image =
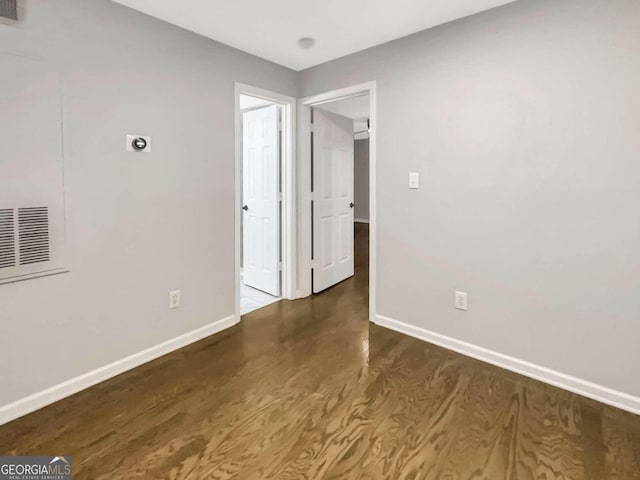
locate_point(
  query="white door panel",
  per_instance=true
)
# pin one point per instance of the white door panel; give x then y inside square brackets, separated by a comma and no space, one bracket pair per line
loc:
[333,199]
[261,203]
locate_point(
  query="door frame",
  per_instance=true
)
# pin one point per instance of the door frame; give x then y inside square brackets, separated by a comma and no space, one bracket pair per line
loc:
[305,197]
[287,183]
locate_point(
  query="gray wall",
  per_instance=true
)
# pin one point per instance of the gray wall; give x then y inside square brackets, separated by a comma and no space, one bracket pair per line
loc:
[361,179]
[138,226]
[524,124]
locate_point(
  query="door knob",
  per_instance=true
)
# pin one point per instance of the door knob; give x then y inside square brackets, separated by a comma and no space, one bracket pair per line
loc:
[352,205]
[245,208]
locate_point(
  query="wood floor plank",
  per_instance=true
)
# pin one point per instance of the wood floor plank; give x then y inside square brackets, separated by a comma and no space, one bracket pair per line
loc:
[310,389]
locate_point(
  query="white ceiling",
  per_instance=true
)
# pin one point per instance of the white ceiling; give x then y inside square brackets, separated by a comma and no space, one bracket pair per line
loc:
[354,107]
[271,29]
[247,101]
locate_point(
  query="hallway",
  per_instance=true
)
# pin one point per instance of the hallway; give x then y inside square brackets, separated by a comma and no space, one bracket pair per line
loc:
[310,389]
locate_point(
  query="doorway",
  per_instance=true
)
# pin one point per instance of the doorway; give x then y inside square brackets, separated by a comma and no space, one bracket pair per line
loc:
[264,159]
[339,125]
[336,125]
[260,280]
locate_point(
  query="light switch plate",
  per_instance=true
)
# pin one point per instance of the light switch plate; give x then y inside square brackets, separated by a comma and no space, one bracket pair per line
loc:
[461,300]
[175,299]
[414,180]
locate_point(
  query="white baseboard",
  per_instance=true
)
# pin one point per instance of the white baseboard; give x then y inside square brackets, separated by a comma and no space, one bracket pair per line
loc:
[58,392]
[576,385]
[360,220]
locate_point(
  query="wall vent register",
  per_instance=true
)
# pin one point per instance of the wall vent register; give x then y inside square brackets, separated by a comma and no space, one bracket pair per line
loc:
[33,235]
[24,239]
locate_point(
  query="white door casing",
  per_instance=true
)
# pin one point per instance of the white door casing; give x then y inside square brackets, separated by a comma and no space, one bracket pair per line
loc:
[261,202]
[332,199]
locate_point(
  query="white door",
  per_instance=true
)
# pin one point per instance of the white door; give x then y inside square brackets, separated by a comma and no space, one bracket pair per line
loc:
[332,199]
[261,203]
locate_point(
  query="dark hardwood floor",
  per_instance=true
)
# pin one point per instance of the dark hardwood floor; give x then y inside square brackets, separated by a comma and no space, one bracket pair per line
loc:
[310,389]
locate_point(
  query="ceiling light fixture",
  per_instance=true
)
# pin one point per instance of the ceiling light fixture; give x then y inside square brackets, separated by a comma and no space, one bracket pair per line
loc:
[306,43]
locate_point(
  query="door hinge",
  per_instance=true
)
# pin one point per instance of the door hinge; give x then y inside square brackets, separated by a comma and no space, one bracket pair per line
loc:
[280,266]
[280,196]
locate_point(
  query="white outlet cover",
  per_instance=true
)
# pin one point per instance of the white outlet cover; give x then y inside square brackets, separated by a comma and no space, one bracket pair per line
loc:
[131,138]
[174,299]
[461,301]
[414,180]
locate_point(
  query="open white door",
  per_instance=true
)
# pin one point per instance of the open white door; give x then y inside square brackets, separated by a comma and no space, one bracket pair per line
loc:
[261,203]
[332,199]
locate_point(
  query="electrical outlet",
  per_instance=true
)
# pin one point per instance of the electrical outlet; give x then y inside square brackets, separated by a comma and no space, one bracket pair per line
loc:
[174,299]
[461,300]
[414,180]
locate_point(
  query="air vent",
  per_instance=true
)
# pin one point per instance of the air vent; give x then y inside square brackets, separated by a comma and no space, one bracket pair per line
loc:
[9,9]
[7,239]
[33,235]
